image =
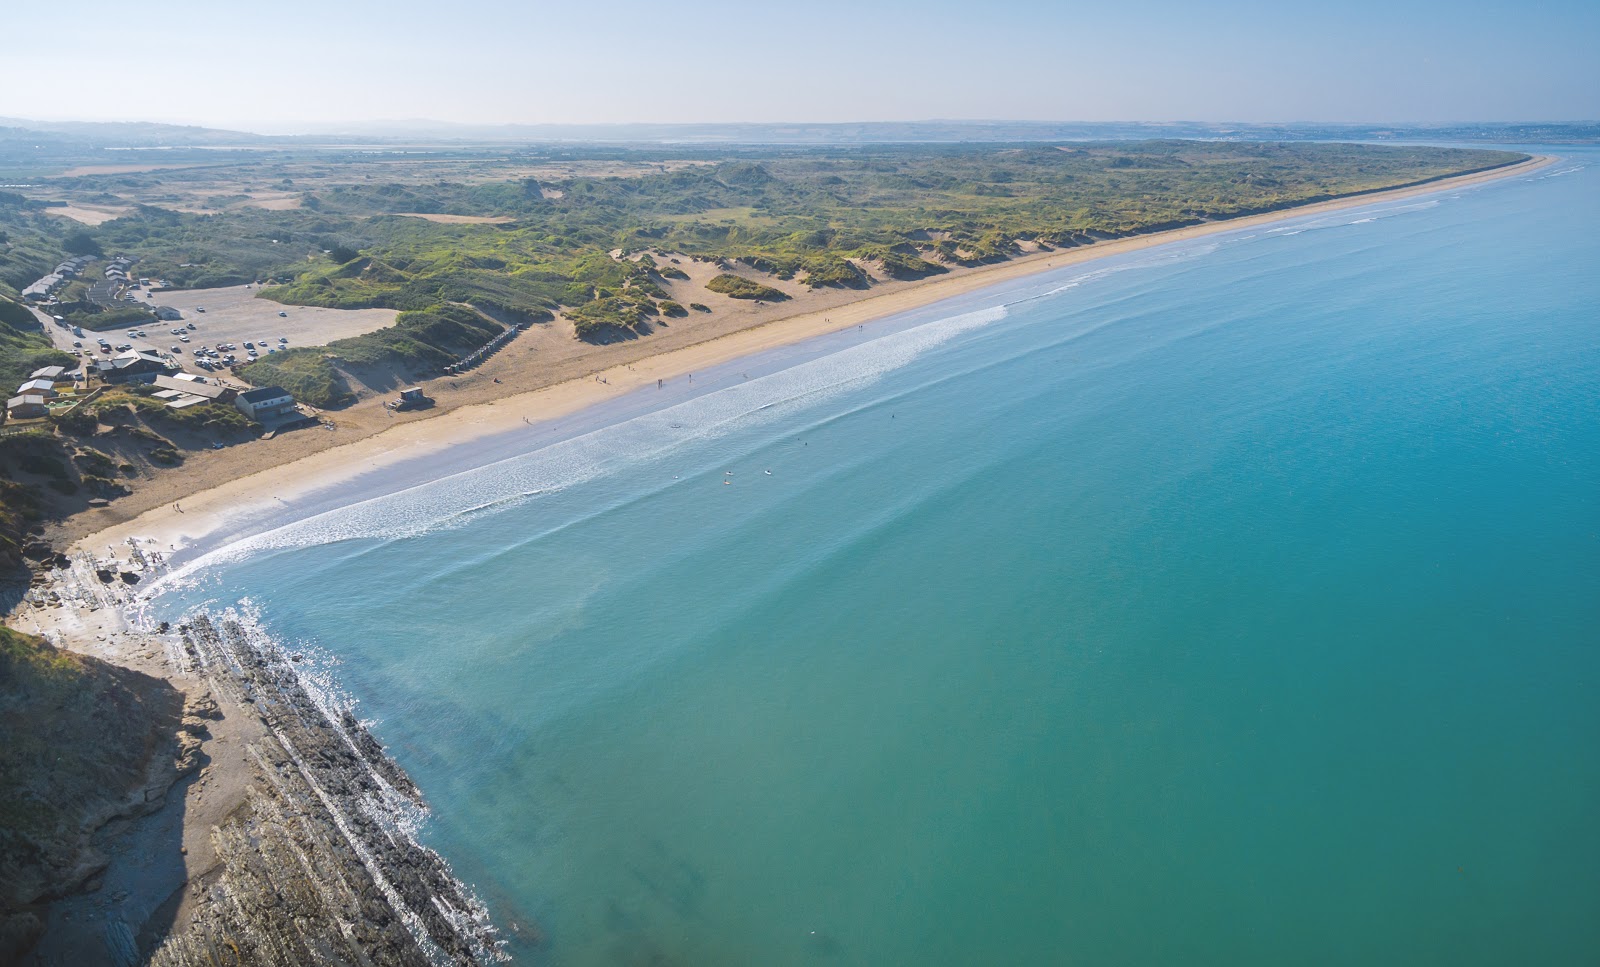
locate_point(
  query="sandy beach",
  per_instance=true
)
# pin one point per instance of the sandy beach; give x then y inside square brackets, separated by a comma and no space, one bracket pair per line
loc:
[182,509]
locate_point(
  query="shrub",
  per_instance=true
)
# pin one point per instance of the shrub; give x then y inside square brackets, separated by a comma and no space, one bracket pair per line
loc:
[79,422]
[738,287]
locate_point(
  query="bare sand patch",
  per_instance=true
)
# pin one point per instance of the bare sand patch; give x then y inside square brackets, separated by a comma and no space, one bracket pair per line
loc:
[274,203]
[123,169]
[459,219]
[89,214]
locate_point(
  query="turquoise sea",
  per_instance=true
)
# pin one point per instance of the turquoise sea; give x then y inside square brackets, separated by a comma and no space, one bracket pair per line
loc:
[1234,602]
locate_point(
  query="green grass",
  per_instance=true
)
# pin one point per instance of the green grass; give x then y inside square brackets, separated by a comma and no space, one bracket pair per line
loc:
[79,734]
[738,287]
[23,349]
[222,417]
[420,343]
[807,214]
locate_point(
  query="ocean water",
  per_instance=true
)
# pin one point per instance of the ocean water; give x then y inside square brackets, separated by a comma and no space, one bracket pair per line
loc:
[1235,602]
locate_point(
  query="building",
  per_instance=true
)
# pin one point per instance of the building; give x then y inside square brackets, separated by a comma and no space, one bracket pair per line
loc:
[180,392]
[27,407]
[38,387]
[132,366]
[42,289]
[267,403]
[167,314]
[52,373]
[411,398]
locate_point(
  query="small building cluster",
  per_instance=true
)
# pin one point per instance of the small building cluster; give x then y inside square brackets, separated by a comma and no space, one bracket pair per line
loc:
[34,396]
[117,269]
[46,287]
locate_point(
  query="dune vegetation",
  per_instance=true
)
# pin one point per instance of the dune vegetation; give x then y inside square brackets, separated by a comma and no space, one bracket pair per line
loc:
[570,243]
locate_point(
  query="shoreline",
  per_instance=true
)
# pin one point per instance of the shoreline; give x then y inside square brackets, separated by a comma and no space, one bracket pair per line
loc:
[255,495]
[429,447]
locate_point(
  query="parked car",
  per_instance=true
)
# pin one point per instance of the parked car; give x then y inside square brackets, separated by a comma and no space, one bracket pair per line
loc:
[283,315]
[177,349]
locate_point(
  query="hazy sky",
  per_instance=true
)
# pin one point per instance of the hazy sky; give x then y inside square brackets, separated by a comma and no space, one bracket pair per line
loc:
[229,63]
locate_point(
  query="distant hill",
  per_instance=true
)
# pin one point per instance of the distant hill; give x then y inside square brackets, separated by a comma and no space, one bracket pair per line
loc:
[148,134]
[945,131]
[126,133]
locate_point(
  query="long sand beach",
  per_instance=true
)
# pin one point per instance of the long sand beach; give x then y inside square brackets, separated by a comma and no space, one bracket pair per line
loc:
[189,507]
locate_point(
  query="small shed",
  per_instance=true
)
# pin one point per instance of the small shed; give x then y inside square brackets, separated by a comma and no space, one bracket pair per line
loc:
[26,407]
[38,387]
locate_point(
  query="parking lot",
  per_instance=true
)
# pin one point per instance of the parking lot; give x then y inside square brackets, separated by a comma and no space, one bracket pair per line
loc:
[230,315]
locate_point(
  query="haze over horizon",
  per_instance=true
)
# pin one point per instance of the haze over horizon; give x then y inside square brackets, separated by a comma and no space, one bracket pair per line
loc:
[488,62]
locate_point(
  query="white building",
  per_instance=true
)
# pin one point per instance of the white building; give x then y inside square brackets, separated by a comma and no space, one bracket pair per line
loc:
[267,403]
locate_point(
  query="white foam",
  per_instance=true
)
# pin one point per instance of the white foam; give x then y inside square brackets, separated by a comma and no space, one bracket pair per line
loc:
[457,499]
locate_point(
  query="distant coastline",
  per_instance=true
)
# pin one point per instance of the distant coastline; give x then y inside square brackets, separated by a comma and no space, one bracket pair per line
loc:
[207,507]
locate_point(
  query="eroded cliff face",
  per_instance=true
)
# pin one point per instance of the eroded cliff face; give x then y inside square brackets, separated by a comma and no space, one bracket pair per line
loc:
[82,742]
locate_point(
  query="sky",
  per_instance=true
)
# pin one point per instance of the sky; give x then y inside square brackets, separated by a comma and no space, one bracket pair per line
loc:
[280,66]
